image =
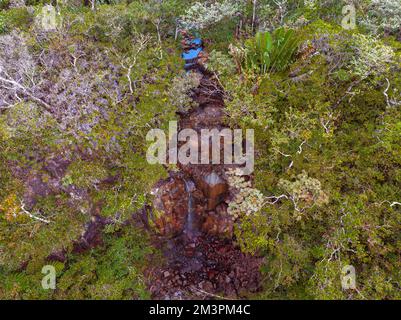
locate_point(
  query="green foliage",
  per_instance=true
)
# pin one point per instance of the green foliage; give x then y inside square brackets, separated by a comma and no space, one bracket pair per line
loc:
[182,88]
[371,56]
[64,169]
[112,272]
[202,15]
[330,121]
[84,175]
[382,16]
[327,138]
[268,51]
[3,23]
[220,63]
[16,18]
[247,200]
[4,4]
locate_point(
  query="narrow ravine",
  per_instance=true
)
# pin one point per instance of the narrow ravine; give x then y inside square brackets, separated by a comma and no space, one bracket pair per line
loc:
[196,232]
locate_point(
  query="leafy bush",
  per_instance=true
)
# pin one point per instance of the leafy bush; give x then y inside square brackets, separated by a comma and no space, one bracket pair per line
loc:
[268,51]
[371,56]
[220,63]
[16,18]
[3,23]
[202,15]
[4,4]
[383,16]
[182,87]
[247,200]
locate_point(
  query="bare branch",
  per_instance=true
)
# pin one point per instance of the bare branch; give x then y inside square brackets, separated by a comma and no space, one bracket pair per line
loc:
[31,215]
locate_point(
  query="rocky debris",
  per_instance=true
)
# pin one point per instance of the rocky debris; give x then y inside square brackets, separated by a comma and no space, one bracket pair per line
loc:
[219,222]
[207,268]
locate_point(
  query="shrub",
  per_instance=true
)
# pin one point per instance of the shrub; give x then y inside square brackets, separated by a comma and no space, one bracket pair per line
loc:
[4,4]
[3,24]
[182,86]
[383,15]
[304,190]
[247,200]
[268,51]
[371,56]
[220,63]
[202,15]
[18,18]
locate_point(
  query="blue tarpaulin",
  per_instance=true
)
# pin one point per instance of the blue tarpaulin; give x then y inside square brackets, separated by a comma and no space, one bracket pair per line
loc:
[190,55]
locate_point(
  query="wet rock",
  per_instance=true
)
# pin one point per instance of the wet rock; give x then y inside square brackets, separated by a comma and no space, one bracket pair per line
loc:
[214,188]
[171,207]
[219,223]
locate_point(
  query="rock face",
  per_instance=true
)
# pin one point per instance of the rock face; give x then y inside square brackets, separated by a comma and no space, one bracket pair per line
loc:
[210,190]
[214,188]
[219,222]
[171,206]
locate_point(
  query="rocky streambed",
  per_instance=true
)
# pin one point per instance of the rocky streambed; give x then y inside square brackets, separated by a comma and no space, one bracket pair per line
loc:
[194,227]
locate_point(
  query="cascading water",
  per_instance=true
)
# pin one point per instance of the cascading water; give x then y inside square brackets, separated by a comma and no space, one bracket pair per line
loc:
[191,229]
[202,259]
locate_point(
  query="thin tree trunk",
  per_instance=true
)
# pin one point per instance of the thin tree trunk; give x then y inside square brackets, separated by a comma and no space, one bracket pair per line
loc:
[254,14]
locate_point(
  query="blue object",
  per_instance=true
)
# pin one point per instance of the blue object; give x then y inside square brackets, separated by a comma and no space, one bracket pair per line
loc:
[197,42]
[191,55]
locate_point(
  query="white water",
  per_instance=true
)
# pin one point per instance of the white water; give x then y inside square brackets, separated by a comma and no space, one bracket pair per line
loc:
[190,228]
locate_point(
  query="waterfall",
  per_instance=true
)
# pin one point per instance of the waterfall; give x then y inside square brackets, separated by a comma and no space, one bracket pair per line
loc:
[191,228]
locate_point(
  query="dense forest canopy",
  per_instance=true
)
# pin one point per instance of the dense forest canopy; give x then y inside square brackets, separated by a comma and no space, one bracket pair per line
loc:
[82,82]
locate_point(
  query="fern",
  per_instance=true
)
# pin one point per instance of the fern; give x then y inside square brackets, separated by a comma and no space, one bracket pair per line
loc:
[274,52]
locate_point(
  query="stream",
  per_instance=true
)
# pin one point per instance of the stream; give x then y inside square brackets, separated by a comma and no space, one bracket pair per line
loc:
[195,231]
[191,229]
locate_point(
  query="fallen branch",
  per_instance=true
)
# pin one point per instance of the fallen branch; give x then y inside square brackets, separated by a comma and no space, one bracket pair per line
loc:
[31,215]
[392,204]
[385,93]
[208,293]
[26,91]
